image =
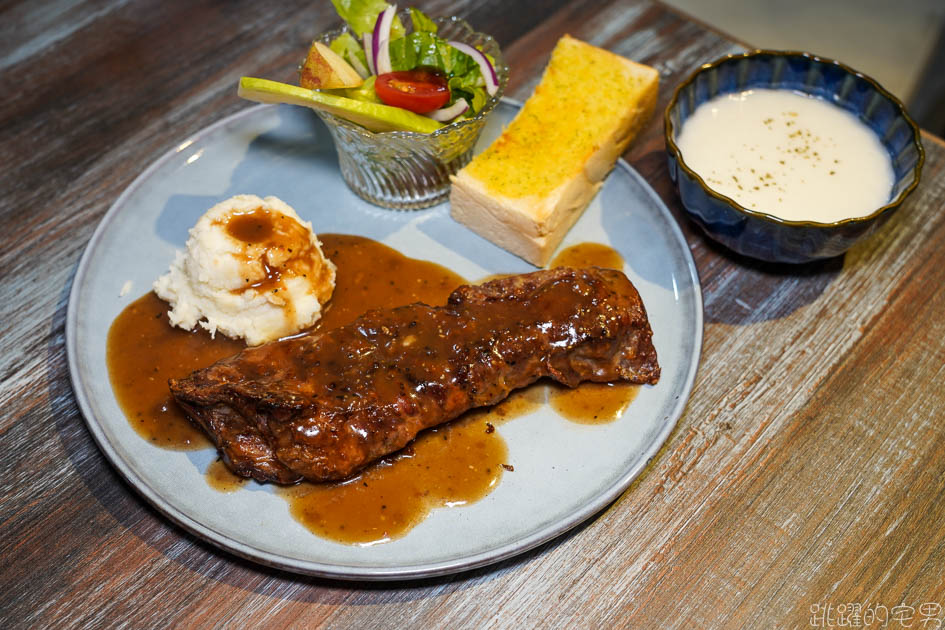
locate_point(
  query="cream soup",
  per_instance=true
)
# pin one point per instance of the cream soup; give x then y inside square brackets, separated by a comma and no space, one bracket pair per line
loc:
[789,155]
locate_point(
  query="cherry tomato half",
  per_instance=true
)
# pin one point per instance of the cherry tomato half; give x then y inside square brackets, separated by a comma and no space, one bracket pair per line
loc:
[419,90]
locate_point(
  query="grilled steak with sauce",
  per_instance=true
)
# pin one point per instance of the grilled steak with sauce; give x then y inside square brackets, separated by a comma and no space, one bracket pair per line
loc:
[324,405]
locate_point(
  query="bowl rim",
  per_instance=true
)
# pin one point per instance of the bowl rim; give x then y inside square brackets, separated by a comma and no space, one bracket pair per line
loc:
[501,68]
[758,52]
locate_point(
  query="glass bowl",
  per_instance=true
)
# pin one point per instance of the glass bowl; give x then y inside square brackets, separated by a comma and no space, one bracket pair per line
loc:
[405,170]
[758,234]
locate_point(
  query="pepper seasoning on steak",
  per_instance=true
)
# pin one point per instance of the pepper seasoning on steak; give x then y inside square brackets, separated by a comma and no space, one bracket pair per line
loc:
[324,405]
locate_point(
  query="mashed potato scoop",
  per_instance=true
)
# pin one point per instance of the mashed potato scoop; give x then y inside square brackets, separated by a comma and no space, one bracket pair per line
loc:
[252,269]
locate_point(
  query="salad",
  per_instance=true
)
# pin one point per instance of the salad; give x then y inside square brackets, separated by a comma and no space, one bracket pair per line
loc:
[381,77]
[420,71]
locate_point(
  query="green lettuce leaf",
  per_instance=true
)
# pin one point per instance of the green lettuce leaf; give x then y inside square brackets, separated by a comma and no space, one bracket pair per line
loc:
[362,14]
[350,50]
[421,22]
[420,49]
[425,49]
[470,86]
[364,92]
[477,100]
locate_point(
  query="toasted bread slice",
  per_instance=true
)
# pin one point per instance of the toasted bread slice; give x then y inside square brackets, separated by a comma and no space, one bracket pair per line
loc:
[529,187]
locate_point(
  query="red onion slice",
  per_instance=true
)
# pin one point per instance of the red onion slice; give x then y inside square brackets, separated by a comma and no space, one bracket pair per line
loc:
[381,43]
[376,39]
[447,114]
[368,39]
[488,72]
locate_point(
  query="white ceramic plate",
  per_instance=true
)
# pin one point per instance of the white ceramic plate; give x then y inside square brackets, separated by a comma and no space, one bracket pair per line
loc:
[564,472]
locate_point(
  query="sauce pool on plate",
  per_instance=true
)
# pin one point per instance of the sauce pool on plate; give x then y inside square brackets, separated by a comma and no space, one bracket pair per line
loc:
[792,156]
[451,465]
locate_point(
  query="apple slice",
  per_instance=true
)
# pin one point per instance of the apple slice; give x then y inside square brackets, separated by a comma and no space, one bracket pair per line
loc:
[324,69]
[373,116]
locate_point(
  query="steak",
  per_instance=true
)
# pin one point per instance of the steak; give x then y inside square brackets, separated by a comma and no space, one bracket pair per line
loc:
[323,405]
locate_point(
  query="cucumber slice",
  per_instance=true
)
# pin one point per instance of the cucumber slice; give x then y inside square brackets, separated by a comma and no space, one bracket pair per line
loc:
[372,116]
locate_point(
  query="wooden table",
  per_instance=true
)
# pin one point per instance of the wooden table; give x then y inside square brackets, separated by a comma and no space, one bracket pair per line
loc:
[804,485]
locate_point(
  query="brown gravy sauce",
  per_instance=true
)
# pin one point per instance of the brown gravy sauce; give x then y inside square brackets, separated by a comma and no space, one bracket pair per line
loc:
[451,465]
[588,255]
[222,479]
[143,351]
[275,245]
[591,403]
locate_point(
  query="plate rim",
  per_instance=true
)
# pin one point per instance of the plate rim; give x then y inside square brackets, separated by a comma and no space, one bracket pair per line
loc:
[356,572]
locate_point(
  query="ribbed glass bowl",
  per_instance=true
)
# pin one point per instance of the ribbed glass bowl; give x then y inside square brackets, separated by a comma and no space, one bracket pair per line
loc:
[405,170]
[764,236]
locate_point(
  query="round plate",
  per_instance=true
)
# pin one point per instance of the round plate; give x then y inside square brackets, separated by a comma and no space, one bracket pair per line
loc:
[564,472]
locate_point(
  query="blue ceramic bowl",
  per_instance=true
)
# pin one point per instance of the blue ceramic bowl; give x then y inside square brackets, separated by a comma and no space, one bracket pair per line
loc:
[764,236]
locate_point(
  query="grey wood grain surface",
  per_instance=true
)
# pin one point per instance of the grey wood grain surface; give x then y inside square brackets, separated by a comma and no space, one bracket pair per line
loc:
[807,471]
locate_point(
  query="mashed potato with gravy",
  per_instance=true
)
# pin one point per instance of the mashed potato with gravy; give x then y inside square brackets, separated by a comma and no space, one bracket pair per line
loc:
[252,269]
